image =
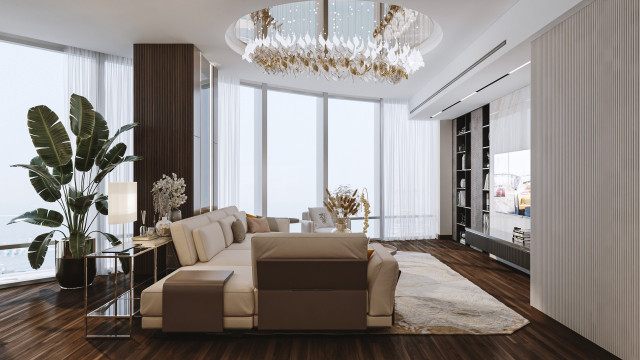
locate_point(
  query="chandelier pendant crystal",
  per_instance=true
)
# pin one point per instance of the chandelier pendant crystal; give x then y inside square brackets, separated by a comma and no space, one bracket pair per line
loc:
[336,40]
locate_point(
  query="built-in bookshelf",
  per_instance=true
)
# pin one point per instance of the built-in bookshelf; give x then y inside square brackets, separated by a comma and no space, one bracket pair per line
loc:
[471,174]
[462,175]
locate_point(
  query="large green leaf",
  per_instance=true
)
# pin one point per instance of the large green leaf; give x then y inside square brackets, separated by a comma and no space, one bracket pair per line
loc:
[43,187]
[38,249]
[44,217]
[49,136]
[81,204]
[81,116]
[103,173]
[77,244]
[43,172]
[102,204]
[88,148]
[107,144]
[113,156]
[64,174]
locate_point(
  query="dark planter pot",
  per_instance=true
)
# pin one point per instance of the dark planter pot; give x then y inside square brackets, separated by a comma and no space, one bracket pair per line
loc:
[70,271]
[175,215]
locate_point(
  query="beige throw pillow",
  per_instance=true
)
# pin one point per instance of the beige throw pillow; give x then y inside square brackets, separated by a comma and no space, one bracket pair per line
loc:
[258,225]
[225,224]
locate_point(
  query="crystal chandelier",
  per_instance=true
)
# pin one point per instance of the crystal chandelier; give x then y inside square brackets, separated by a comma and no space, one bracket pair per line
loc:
[336,40]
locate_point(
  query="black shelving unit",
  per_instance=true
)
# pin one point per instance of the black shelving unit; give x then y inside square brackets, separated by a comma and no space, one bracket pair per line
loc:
[472,169]
[463,175]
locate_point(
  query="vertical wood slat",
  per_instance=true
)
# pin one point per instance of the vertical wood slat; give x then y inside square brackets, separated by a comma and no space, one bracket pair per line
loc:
[585,167]
[164,106]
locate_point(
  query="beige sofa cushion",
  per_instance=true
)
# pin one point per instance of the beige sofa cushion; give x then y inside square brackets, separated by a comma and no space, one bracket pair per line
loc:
[229,257]
[245,245]
[307,246]
[181,232]
[242,216]
[216,215]
[230,210]
[382,278]
[209,241]
[238,292]
[225,224]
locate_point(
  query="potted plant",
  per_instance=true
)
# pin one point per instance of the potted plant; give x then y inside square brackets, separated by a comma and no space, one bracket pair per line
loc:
[72,182]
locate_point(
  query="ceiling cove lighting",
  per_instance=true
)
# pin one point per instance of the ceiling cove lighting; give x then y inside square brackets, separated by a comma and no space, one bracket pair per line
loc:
[482,88]
[338,40]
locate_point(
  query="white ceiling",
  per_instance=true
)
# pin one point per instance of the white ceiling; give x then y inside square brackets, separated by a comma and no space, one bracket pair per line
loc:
[470,29]
[114,26]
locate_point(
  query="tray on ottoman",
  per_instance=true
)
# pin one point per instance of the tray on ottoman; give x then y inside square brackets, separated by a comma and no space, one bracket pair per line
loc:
[192,301]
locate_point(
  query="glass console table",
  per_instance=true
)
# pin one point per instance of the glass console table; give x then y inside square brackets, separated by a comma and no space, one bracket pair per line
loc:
[125,305]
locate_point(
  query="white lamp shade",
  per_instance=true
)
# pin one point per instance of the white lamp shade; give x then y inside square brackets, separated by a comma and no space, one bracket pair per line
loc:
[123,200]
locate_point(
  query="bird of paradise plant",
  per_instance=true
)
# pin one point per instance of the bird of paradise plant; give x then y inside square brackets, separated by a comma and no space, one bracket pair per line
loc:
[72,182]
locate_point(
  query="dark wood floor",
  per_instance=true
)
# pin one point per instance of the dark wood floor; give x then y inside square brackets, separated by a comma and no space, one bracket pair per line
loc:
[40,321]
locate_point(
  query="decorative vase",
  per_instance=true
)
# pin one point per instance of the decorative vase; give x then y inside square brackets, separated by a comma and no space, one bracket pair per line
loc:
[342,225]
[70,271]
[163,227]
[175,215]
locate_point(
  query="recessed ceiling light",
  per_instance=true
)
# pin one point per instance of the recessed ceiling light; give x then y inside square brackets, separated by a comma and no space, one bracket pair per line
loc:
[519,67]
[468,96]
[436,114]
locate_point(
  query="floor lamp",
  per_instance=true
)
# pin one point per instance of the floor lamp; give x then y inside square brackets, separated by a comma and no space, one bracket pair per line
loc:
[123,200]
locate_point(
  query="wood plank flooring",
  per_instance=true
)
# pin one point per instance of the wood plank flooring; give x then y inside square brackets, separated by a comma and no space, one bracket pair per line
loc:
[40,321]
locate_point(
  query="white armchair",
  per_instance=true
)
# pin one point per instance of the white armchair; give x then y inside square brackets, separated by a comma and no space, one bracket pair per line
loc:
[309,225]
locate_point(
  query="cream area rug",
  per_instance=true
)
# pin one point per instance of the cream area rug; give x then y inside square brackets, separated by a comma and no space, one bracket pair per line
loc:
[431,298]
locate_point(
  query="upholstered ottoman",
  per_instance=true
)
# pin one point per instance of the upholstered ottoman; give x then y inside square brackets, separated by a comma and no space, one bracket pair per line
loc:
[192,301]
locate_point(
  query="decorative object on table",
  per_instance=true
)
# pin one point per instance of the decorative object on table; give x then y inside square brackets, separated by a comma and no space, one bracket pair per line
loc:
[143,219]
[72,183]
[348,45]
[163,227]
[366,209]
[168,196]
[342,203]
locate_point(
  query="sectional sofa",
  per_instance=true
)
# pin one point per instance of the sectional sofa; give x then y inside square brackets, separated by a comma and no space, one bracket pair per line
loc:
[308,281]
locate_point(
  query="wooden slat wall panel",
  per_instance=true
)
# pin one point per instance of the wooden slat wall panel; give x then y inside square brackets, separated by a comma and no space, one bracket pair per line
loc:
[164,106]
[585,167]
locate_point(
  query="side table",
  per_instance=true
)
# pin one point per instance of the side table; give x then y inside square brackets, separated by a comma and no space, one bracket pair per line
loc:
[127,304]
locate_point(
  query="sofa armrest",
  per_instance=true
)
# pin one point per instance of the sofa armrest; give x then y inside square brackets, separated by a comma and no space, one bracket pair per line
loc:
[382,278]
[306,226]
[282,225]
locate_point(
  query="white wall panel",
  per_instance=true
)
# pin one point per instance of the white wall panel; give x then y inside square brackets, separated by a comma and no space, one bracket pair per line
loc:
[585,167]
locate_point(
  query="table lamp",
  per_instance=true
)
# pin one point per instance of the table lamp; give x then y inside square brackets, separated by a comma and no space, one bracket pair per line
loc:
[123,200]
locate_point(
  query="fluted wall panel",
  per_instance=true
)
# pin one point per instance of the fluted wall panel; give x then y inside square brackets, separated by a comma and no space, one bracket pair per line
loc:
[165,95]
[585,256]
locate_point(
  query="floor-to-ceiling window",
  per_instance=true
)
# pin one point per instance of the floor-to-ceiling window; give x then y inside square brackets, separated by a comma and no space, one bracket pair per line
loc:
[353,158]
[250,120]
[292,148]
[29,76]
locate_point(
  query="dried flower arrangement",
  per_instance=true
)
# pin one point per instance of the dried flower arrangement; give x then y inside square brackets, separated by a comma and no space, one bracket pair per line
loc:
[366,208]
[343,202]
[168,194]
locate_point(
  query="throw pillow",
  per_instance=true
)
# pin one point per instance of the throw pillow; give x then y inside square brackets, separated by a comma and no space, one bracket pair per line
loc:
[239,233]
[258,225]
[225,224]
[252,216]
[369,253]
[321,217]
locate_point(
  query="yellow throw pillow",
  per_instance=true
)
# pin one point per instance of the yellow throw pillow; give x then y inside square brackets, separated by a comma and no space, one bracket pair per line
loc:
[369,253]
[252,216]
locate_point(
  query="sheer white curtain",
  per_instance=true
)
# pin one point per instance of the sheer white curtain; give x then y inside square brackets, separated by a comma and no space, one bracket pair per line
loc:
[411,174]
[106,81]
[228,141]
